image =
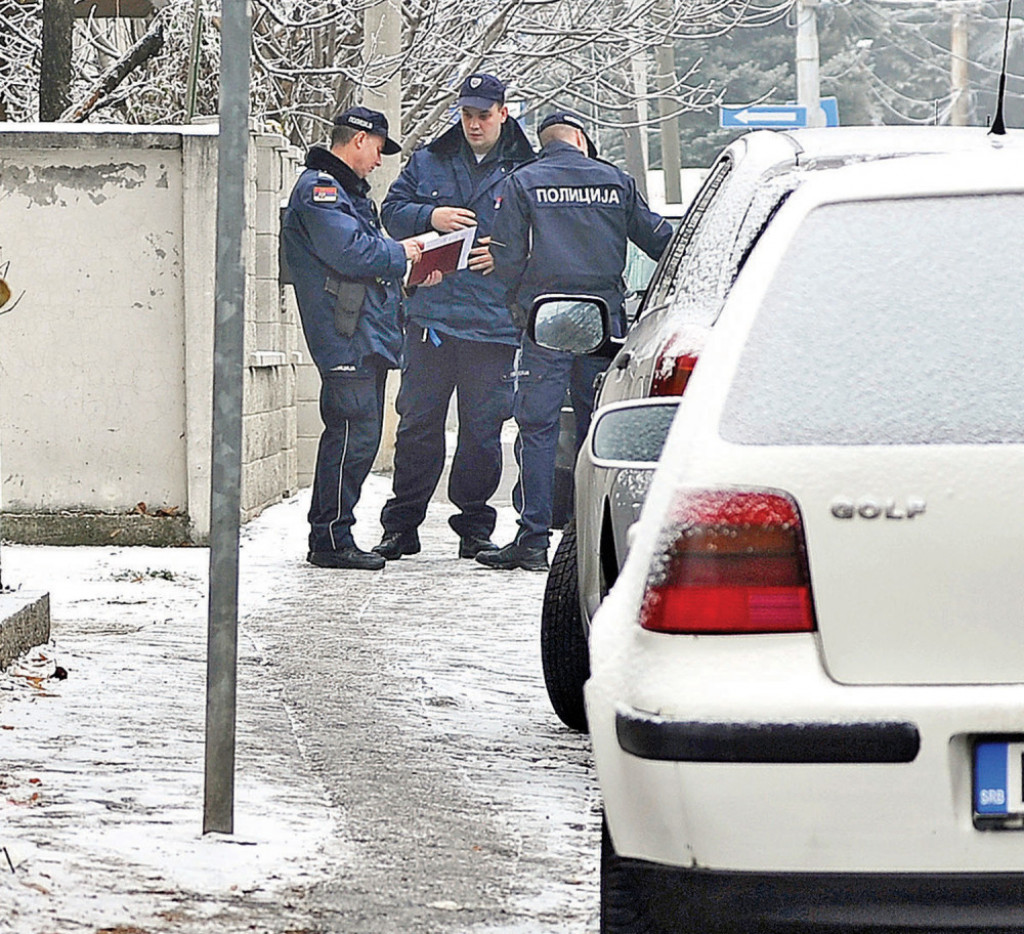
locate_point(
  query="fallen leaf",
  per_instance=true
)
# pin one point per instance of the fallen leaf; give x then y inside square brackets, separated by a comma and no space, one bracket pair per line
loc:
[27,803]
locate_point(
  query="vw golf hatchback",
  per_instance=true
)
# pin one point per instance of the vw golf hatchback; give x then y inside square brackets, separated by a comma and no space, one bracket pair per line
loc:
[807,688]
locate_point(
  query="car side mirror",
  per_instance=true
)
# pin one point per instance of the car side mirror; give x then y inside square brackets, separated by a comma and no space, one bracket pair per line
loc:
[572,323]
[632,433]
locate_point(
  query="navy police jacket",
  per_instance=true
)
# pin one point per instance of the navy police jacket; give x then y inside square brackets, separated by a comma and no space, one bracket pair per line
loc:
[563,225]
[331,229]
[465,304]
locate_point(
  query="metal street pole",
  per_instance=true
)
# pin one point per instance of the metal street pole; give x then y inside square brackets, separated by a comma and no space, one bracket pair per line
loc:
[808,79]
[226,476]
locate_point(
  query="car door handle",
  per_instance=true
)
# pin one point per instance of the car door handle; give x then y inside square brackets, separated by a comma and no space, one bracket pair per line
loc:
[623,361]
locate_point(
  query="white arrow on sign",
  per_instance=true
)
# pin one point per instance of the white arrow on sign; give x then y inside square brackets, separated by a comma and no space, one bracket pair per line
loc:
[767,116]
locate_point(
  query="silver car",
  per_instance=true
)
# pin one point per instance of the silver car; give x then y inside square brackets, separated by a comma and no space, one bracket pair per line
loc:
[637,275]
[745,187]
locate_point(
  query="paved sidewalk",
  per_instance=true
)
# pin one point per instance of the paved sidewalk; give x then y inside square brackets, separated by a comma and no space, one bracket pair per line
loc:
[101,772]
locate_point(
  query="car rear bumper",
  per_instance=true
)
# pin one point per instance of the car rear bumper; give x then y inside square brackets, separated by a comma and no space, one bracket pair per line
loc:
[715,902]
[744,756]
[690,741]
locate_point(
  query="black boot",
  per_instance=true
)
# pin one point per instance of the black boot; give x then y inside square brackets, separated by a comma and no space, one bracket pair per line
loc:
[515,556]
[470,546]
[395,544]
[350,557]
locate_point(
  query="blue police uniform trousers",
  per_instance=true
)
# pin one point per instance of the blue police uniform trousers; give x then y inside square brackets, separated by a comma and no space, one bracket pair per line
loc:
[544,376]
[352,409]
[430,372]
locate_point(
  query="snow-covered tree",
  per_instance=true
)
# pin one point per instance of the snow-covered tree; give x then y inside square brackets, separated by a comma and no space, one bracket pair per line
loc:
[308,58]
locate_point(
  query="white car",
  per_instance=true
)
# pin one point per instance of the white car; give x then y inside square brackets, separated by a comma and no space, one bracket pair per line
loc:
[748,183]
[807,691]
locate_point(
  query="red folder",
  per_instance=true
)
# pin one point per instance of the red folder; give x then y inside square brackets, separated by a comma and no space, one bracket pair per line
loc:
[445,258]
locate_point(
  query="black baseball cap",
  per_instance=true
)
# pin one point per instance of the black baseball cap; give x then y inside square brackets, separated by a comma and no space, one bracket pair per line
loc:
[569,119]
[369,121]
[481,91]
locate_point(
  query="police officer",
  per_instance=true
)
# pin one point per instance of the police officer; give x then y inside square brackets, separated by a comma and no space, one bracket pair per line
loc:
[562,227]
[459,335]
[347,277]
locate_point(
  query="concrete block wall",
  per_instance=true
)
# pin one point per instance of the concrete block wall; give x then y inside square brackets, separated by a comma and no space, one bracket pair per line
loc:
[307,399]
[106,364]
[272,350]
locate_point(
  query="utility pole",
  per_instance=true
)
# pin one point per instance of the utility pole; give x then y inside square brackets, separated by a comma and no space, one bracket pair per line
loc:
[808,78]
[960,82]
[671,155]
[636,142]
[382,90]
[640,71]
[632,140]
[632,93]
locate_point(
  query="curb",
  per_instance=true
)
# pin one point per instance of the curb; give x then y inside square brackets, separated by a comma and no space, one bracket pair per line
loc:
[24,623]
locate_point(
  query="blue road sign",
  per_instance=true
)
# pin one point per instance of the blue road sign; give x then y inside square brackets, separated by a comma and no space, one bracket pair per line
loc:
[778,116]
[830,107]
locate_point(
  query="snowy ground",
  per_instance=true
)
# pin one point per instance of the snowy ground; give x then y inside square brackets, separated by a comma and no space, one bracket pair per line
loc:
[101,772]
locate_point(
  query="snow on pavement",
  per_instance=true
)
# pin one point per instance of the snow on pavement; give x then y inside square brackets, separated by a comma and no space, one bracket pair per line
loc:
[101,773]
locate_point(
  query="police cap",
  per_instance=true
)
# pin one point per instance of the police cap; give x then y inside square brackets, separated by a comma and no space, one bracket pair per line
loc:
[568,118]
[481,91]
[369,121]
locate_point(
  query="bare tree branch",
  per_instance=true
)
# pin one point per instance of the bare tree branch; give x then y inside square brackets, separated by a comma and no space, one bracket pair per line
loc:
[148,46]
[308,59]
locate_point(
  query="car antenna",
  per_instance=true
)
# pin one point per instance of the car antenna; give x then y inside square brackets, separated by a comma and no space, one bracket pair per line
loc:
[998,126]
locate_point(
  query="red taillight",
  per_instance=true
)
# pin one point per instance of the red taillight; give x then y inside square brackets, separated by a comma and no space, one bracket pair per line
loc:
[735,562]
[671,374]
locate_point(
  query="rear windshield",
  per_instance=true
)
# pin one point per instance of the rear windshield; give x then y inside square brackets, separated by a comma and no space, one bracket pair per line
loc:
[890,322]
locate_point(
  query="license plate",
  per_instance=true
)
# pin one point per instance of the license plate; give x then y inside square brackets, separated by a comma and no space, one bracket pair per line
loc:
[999,784]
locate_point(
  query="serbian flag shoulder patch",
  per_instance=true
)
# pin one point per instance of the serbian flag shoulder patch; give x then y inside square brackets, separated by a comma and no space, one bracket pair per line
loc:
[325,194]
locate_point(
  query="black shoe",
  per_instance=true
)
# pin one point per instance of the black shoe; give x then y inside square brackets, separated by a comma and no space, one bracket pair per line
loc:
[470,546]
[395,544]
[352,557]
[515,556]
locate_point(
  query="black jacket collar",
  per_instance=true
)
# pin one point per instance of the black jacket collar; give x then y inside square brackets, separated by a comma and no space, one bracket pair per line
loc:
[558,147]
[323,160]
[512,145]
